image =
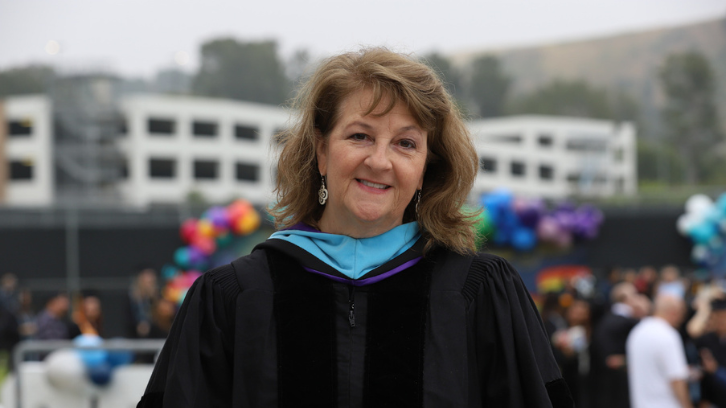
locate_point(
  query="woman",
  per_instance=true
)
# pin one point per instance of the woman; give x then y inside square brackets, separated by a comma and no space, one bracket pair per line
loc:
[371,294]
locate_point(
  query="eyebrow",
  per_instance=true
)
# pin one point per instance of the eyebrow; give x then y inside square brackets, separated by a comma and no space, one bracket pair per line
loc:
[369,127]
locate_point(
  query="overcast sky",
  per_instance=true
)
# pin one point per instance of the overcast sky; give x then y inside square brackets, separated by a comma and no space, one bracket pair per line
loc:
[138,37]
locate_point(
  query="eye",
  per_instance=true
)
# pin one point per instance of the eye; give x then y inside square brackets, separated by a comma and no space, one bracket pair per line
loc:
[359,136]
[407,144]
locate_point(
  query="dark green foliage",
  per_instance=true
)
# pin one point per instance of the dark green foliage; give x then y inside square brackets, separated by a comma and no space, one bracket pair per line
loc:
[249,71]
[689,114]
[448,74]
[25,80]
[578,99]
[659,161]
[488,86]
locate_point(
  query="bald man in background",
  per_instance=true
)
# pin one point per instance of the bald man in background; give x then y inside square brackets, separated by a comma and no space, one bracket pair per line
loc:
[657,368]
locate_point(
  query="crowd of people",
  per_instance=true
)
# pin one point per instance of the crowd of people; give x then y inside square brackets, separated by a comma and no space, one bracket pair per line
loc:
[640,338]
[63,316]
[605,334]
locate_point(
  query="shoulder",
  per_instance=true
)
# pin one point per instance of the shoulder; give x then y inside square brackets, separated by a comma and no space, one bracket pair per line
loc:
[489,271]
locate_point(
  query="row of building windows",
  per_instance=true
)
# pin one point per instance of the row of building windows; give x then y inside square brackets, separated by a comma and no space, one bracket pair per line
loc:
[516,168]
[205,129]
[156,127]
[20,170]
[201,170]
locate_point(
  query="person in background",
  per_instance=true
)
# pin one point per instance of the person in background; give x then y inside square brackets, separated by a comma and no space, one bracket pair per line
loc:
[51,321]
[26,315]
[571,346]
[714,342]
[142,295]
[657,368]
[646,280]
[608,368]
[671,282]
[9,293]
[162,317]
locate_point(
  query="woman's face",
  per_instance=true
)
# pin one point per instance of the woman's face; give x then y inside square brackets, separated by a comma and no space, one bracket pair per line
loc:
[373,167]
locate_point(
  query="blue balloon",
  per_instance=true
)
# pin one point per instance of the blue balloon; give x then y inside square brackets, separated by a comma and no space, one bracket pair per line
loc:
[119,357]
[524,239]
[90,358]
[100,374]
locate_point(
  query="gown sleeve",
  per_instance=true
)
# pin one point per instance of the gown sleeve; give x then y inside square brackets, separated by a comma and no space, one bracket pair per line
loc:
[194,368]
[516,367]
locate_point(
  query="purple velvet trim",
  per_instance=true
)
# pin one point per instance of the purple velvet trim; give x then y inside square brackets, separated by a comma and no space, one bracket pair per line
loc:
[301,226]
[368,281]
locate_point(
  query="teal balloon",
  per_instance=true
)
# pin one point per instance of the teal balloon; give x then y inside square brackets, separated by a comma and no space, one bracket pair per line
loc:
[702,233]
[182,258]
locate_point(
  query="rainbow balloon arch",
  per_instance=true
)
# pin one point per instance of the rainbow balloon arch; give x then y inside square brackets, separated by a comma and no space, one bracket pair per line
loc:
[204,238]
[704,222]
[521,223]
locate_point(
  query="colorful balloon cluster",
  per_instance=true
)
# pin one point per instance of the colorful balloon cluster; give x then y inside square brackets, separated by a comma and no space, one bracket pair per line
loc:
[522,222]
[215,229]
[704,222]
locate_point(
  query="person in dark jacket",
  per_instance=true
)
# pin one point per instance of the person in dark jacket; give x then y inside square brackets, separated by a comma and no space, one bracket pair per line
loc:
[609,371]
[371,294]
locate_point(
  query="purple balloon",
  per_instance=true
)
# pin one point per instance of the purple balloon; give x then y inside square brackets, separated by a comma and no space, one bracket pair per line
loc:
[217,216]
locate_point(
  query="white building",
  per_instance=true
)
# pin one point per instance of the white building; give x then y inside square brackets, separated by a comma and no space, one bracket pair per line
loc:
[177,146]
[26,151]
[555,157]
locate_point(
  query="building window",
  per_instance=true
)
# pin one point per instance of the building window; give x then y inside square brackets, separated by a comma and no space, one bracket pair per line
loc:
[593,144]
[162,168]
[20,128]
[488,165]
[620,185]
[123,128]
[573,177]
[247,172]
[161,126]
[544,140]
[21,169]
[517,169]
[510,139]
[204,129]
[205,169]
[619,155]
[546,172]
[246,132]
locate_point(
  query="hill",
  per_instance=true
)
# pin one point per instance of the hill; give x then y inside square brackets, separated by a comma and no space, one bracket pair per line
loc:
[629,62]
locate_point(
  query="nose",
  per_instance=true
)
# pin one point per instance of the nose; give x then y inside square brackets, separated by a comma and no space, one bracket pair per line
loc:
[378,158]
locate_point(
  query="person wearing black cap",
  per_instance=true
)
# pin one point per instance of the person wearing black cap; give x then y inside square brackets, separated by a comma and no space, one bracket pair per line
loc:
[714,341]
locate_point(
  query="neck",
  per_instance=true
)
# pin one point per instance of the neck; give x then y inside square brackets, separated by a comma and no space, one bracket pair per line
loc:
[356,229]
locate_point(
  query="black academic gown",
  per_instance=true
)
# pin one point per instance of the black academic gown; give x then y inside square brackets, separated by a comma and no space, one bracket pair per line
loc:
[279,328]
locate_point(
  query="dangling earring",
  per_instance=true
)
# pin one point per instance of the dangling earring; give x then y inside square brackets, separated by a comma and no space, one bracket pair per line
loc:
[418,200]
[323,192]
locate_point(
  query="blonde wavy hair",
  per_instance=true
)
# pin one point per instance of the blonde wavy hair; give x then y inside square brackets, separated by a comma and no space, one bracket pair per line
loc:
[451,161]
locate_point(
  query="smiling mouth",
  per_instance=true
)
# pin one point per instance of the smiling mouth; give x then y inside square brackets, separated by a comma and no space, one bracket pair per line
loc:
[374,185]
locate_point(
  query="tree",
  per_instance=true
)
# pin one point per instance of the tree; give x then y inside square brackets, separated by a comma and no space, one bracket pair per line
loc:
[25,80]
[488,86]
[689,113]
[576,98]
[449,75]
[249,71]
